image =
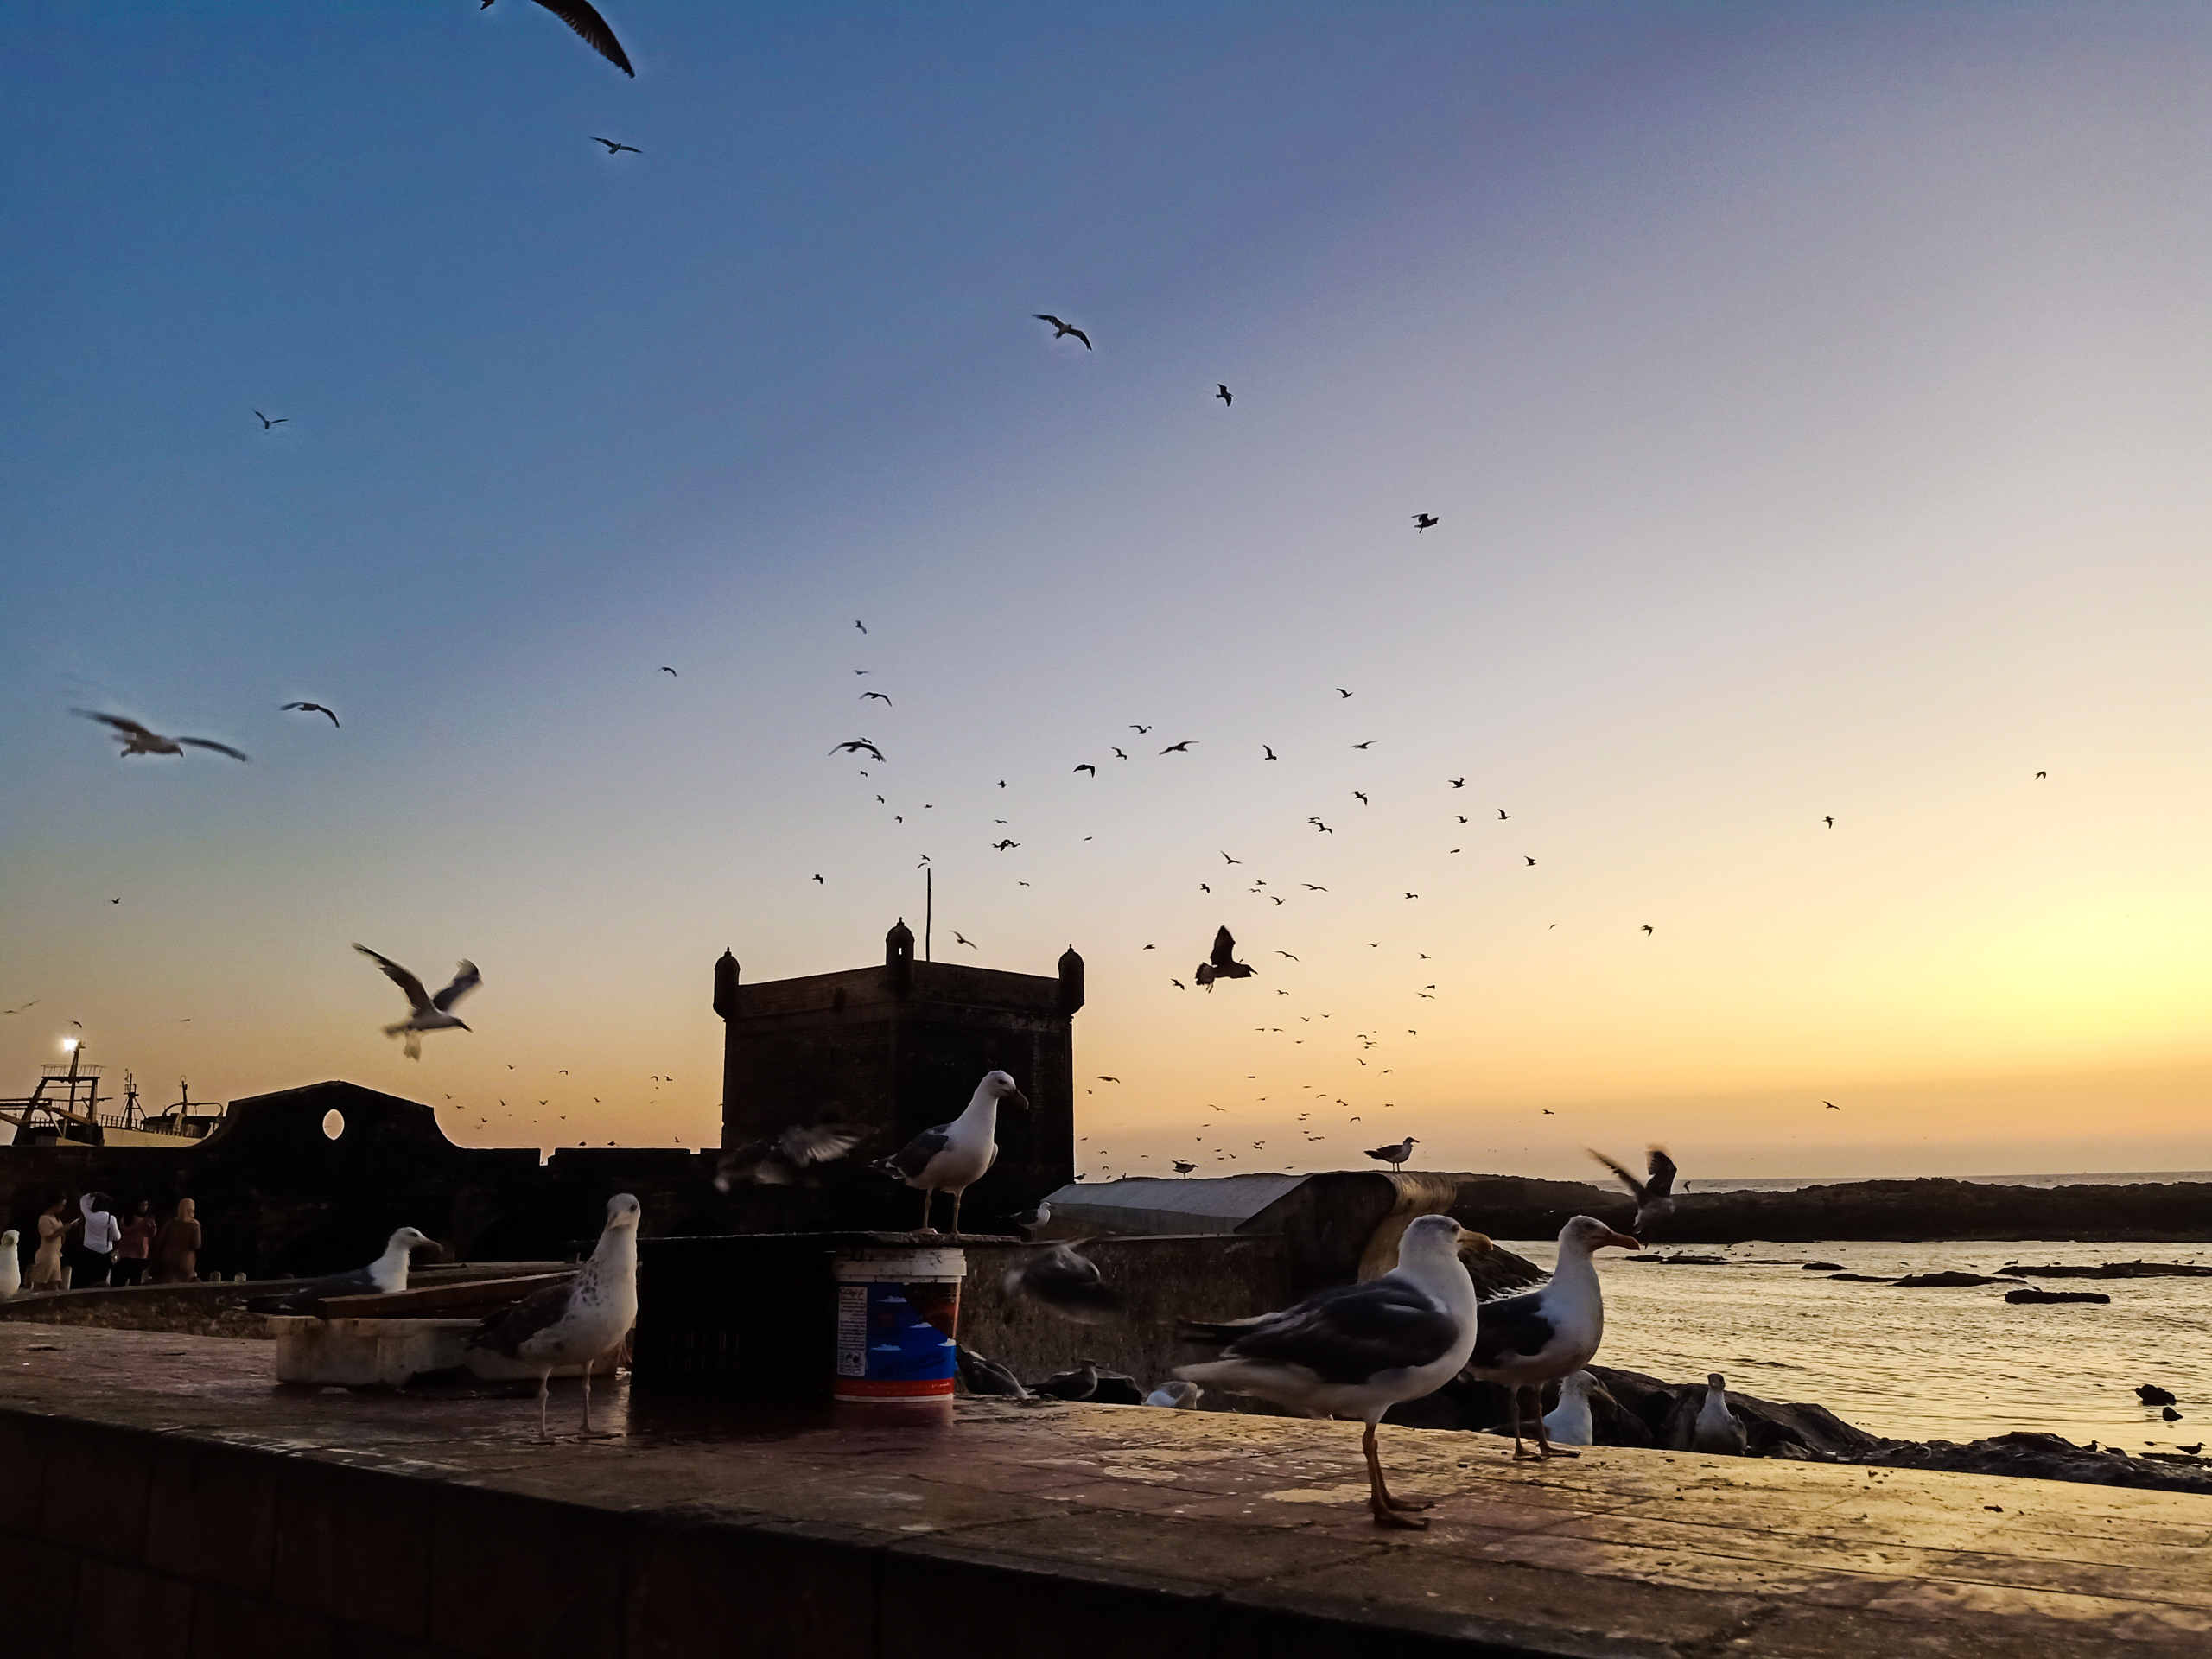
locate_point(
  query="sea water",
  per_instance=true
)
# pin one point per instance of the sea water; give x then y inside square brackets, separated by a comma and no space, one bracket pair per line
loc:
[1956,1364]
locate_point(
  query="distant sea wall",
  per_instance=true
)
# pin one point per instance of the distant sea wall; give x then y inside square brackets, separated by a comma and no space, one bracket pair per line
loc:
[1507,1207]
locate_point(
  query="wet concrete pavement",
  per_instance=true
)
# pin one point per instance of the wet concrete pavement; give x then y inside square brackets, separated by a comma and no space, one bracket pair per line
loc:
[1234,1524]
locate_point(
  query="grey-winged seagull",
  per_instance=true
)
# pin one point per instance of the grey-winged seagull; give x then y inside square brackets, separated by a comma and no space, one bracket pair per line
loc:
[428,1013]
[1356,1350]
[579,1322]
[1717,1429]
[385,1276]
[1550,1332]
[952,1157]
[138,740]
[1396,1156]
[1068,1283]
[1655,1197]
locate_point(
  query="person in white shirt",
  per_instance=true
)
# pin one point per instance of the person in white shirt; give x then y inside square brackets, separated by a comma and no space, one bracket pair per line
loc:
[95,1248]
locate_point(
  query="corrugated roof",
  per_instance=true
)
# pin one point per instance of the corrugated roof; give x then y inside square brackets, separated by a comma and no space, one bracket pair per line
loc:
[1144,1204]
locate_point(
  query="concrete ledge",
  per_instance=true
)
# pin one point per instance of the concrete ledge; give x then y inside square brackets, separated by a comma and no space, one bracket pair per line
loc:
[157,1492]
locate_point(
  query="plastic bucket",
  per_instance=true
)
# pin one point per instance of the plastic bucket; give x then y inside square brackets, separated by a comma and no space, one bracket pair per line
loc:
[898,1314]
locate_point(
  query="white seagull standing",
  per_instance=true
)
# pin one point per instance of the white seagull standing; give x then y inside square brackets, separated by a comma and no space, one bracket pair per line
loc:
[1717,1429]
[385,1276]
[952,1157]
[429,1013]
[1396,1156]
[1569,1423]
[575,1324]
[11,1266]
[1356,1350]
[1530,1340]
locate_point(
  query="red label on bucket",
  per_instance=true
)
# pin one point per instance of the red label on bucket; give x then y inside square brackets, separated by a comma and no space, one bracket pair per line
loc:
[895,1340]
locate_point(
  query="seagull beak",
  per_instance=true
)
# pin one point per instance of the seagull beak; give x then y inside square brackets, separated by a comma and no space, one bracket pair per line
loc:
[1019,1099]
[1621,1239]
[1475,1244]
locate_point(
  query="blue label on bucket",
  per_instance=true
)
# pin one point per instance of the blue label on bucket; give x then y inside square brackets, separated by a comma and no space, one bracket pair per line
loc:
[883,1338]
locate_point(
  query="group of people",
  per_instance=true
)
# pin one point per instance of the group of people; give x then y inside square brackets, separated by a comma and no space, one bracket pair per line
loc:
[95,1246]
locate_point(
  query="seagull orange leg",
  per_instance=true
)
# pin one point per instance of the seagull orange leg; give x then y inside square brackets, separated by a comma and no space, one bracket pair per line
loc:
[1386,1508]
[1520,1451]
[927,1194]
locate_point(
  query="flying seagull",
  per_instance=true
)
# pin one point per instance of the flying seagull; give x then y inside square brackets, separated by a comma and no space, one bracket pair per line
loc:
[1087,766]
[862,626]
[878,696]
[614,148]
[590,27]
[1184,748]
[281,420]
[1268,752]
[1342,692]
[670,672]
[386,1276]
[312,708]
[1223,964]
[1060,330]
[136,740]
[1222,392]
[1655,1195]
[1425,520]
[1064,1282]
[1356,1350]
[856,744]
[952,1157]
[428,1013]
[578,1323]
[780,1162]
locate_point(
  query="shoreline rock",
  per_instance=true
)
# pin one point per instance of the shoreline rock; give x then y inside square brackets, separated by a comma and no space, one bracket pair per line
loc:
[2032,1296]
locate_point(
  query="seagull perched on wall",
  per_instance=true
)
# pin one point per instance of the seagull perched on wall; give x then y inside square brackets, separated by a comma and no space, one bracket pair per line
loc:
[1655,1197]
[578,1323]
[1546,1333]
[1356,1350]
[1395,1156]
[137,740]
[385,1276]
[429,1013]
[781,1161]
[1066,1281]
[952,1157]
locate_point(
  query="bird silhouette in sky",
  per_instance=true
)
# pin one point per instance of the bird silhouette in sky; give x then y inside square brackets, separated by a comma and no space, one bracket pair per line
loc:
[1226,858]
[1140,730]
[858,743]
[1285,953]
[862,626]
[285,420]
[1831,1105]
[1828,821]
[1222,392]
[1184,748]
[1342,692]
[1361,796]
[1222,963]
[1087,766]
[614,148]
[1425,520]
[819,882]
[1502,815]
[1647,930]
[2042,774]
[1320,826]
[1003,845]
[670,672]
[1310,887]
[1267,754]
[137,740]
[312,708]
[1531,860]
[878,696]
[590,27]
[1061,330]
[1119,753]
[958,937]
[1368,745]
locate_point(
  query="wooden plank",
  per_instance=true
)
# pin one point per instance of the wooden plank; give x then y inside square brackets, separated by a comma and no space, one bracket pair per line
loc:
[438,1299]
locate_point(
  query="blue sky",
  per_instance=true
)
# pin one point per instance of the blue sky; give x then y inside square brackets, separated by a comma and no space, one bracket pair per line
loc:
[1813,398]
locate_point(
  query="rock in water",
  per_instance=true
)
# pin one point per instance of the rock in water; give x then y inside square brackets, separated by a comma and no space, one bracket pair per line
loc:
[1946,1280]
[2031,1296]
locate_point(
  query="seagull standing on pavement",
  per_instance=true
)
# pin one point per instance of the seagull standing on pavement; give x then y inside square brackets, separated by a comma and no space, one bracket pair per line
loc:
[578,1323]
[429,1012]
[1356,1350]
[952,1157]
[1546,1333]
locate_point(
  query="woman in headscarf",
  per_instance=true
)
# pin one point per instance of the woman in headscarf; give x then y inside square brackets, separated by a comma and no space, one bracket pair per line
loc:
[134,1250]
[176,1247]
[45,1266]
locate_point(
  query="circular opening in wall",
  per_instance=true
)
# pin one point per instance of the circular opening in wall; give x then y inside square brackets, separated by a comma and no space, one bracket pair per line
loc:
[333,1123]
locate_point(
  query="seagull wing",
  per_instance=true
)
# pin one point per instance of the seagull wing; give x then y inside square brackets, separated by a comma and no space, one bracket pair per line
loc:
[128,727]
[1511,1325]
[1225,949]
[914,1157]
[1345,1334]
[592,29]
[508,1331]
[1042,316]
[1662,1184]
[411,987]
[1080,335]
[1637,1188]
[465,979]
[804,1146]
[219,749]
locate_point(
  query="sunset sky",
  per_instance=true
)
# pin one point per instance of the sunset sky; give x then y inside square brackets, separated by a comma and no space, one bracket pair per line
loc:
[1814,399]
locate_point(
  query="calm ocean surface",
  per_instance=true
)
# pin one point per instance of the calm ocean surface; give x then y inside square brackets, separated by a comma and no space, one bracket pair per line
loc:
[1923,1364]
